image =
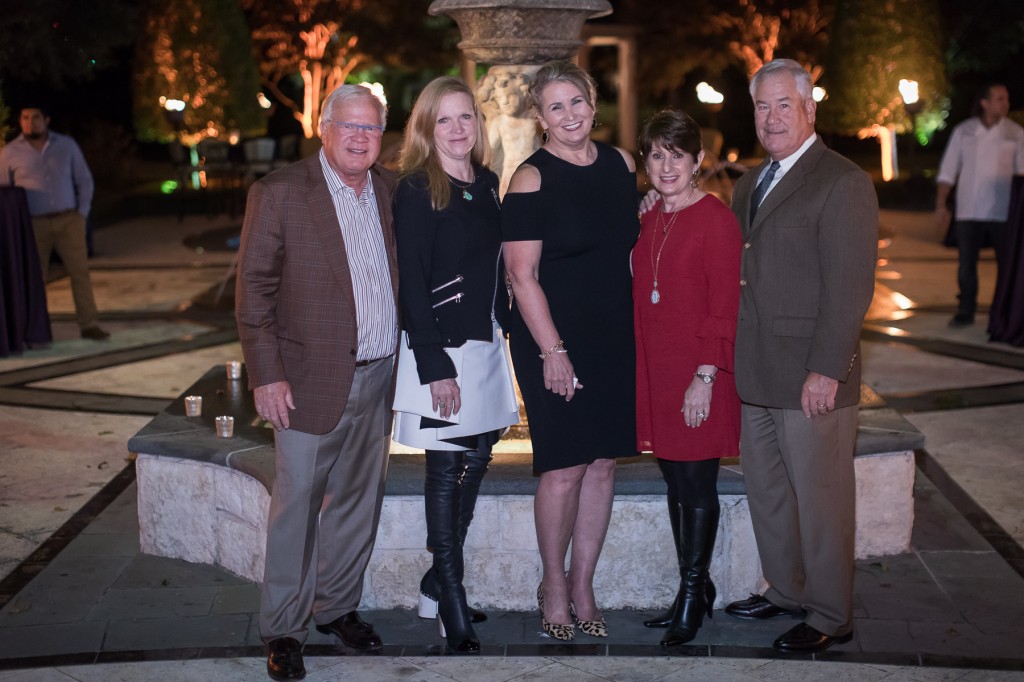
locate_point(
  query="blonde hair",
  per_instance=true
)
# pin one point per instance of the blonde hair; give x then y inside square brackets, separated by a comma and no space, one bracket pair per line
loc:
[566,72]
[418,150]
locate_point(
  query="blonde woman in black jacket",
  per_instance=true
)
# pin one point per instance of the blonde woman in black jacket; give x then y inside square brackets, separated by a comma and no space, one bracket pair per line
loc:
[453,300]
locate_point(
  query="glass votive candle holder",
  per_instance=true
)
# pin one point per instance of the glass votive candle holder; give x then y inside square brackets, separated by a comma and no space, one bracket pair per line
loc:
[234,369]
[225,427]
[193,405]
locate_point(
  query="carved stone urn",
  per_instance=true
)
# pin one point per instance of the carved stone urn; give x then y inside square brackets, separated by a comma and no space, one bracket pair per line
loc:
[520,31]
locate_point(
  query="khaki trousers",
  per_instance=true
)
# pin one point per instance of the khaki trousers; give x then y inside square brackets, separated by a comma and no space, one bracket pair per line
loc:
[801,491]
[324,509]
[66,234]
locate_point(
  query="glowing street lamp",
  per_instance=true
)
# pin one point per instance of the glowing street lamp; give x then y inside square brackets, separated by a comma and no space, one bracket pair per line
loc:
[712,99]
[911,97]
[708,95]
[174,112]
[913,104]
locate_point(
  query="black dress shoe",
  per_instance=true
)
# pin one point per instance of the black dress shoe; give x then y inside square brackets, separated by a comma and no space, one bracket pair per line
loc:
[803,639]
[353,632]
[961,320]
[759,608]
[284,659]
[95,333]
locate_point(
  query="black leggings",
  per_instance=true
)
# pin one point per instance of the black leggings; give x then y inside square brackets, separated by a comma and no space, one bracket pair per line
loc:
[691,484]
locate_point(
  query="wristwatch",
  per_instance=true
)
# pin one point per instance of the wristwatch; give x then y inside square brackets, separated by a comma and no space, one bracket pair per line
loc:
[705,377]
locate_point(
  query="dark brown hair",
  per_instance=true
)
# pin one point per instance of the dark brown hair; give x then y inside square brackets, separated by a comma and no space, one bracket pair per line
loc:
[672,129]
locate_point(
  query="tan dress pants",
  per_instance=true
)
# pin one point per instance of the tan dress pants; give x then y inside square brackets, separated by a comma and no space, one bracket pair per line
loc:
[66,233]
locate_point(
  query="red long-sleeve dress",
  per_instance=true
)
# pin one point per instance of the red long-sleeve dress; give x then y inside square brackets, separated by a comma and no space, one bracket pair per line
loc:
[693,323]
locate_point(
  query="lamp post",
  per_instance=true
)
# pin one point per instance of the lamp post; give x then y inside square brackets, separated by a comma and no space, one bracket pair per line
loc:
[712,99]
[913,104]
[174,112]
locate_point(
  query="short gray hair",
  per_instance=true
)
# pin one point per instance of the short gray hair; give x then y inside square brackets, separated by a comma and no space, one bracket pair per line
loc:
[346,93]
[804,85]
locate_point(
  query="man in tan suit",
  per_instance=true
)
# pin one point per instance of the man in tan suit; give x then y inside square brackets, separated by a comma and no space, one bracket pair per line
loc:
[316,312]
[810,225]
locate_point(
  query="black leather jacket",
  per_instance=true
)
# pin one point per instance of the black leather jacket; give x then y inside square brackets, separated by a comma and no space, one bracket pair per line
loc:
[451,272]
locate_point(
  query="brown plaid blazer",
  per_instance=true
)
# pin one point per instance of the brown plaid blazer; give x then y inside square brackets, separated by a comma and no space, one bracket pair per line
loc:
[293,300]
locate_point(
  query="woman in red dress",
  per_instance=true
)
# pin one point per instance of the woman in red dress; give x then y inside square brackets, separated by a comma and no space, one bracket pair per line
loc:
[686,288]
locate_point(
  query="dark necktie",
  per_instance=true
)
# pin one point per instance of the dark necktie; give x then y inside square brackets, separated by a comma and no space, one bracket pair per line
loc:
[762,189]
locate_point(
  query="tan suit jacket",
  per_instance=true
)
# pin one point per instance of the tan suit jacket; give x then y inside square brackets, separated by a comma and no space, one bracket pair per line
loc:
[807,278]
[294,300]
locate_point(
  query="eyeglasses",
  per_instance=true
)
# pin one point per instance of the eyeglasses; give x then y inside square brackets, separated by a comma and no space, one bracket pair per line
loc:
[348,128]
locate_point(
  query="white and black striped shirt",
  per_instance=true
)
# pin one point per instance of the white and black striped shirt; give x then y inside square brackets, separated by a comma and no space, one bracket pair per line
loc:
[376,314]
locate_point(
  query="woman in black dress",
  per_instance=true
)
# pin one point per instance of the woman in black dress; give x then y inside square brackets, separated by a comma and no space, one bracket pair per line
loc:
[453,299]
[569,221]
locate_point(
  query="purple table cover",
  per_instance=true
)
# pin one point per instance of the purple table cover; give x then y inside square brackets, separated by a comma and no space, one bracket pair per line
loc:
[23,311]
[1006,317]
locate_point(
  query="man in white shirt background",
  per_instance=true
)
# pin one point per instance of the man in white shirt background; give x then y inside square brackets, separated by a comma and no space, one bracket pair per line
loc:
[983,155]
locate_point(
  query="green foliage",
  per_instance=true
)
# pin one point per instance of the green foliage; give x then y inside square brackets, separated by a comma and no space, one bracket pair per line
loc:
[874,44]
[200,52]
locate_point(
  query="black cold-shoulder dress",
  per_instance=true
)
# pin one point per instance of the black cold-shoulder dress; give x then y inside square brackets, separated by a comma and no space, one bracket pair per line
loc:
[586,217]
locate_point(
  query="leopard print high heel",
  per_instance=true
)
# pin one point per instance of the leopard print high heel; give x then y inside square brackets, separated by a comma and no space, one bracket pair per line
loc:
[594,628]
[565,633]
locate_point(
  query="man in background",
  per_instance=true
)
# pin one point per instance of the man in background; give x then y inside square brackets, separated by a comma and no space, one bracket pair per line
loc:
[51,168]
[983,155]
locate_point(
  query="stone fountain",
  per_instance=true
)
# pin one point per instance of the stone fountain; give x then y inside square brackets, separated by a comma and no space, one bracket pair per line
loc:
[515,37]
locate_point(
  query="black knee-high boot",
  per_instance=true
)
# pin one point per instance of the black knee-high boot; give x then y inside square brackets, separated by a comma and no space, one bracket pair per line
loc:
[662,620]
[476,466]
[442,498]
[697,593]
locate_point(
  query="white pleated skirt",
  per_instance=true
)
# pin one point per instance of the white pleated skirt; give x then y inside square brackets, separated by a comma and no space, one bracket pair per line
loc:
[485,385]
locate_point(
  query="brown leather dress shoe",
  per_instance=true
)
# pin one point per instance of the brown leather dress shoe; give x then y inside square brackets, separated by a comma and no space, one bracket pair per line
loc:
[353,632]
[284,659]
[759,608]
[803,639]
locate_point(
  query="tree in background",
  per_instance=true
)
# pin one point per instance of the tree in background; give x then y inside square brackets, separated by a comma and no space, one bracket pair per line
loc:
[712,35]
[875,44]
[757,31]
[197,52]
[307,48]
[303,40]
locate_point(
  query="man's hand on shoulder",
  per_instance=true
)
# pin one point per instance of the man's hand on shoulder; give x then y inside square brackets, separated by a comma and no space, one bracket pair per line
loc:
[273,402]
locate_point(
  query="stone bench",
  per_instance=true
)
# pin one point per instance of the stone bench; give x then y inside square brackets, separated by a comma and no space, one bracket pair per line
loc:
[205,499]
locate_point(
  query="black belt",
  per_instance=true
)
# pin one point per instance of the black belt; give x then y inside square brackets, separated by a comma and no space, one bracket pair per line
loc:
[364,363]
[55,214]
